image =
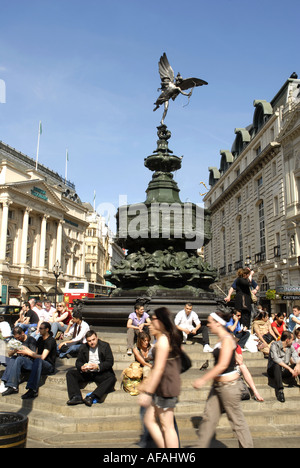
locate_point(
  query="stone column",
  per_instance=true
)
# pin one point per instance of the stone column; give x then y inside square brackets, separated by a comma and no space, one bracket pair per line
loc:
[4,225]
[59,240]
[43,241]
[25,236]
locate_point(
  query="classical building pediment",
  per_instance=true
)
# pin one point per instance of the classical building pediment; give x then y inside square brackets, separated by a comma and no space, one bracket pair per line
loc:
[34,193]
[291,127]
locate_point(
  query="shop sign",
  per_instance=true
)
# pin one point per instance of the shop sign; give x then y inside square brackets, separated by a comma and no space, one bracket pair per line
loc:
[291,298]
[37,192]
[288,290]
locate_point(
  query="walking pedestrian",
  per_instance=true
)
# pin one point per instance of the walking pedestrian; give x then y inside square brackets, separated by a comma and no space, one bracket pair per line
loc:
[160,391]
[225,393]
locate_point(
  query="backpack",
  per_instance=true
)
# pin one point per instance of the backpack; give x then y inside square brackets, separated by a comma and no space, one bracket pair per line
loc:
[131,378]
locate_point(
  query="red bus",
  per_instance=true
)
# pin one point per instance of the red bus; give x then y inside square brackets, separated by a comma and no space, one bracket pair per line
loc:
[83,289]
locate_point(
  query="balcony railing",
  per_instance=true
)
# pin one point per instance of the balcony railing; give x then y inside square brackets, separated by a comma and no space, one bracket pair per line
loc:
[239,264]
[260,257]
[277,251]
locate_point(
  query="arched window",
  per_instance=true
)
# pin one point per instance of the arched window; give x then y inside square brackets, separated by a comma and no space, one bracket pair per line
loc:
[241,141]
[263,111]
[226,160]
[214,176]
[264,285]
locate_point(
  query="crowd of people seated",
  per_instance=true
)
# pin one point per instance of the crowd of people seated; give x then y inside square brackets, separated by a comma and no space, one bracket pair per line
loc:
[42,333]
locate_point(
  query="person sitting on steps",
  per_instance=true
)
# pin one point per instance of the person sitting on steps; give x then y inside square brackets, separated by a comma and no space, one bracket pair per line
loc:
[137,322]
[283,364]
[94,364]
[187,321]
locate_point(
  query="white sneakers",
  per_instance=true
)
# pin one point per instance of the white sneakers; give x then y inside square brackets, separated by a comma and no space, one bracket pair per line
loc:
[207,349]
[2,387]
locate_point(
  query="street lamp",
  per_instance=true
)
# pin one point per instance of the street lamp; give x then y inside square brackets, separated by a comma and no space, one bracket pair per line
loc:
[248,262]
[57,271]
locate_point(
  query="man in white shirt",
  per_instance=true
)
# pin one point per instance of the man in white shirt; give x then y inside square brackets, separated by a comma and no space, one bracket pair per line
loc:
[5,329]
[78,331]
[48,311]
[188,322]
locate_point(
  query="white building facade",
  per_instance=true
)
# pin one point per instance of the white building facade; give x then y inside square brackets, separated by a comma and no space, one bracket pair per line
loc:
[42,220]
[254,199]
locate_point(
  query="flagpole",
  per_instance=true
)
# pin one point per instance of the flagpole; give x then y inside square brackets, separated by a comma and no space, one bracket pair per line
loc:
[94,200]
[66,171]
[38,146]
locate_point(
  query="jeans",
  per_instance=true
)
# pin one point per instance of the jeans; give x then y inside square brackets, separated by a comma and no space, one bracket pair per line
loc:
[27,326]
[37,367]
[56,326]
[243,337]
[73,350]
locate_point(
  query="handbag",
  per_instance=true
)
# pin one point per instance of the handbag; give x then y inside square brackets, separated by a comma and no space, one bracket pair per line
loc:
[245,393]
[131,378]
[186,362]
[254,299]
[268,339]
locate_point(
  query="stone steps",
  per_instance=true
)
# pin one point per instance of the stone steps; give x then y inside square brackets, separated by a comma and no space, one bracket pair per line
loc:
[121,403]
[115,423]
[128,438]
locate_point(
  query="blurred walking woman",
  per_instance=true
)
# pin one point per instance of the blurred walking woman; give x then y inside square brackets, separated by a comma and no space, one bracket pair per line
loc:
[226,390]
[161,389]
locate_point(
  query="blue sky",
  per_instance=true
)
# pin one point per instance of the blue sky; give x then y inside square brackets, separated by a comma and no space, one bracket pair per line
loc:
[89,71]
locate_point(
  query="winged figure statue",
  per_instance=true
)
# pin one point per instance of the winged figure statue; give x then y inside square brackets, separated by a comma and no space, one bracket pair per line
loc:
[171,87]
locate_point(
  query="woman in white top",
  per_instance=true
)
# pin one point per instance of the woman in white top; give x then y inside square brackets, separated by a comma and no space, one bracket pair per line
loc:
[226,391]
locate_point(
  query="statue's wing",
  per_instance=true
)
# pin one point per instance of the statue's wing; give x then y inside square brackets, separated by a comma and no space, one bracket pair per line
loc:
[191,83]
[165,69]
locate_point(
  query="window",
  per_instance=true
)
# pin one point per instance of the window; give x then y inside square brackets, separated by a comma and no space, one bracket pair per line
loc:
[9,247]
[248,224]
[29,249]
[261,218]
[240,238]
[264,285]
[277,252]
[258,150]
[298,189]
[276,206]
[224,247]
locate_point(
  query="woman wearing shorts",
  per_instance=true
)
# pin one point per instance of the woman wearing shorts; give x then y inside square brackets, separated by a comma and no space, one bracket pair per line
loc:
[160,391]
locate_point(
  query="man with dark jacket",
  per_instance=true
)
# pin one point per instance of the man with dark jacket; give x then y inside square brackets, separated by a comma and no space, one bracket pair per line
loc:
[94,364]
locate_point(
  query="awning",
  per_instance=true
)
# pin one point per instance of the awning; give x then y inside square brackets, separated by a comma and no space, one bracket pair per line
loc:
[34,288]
